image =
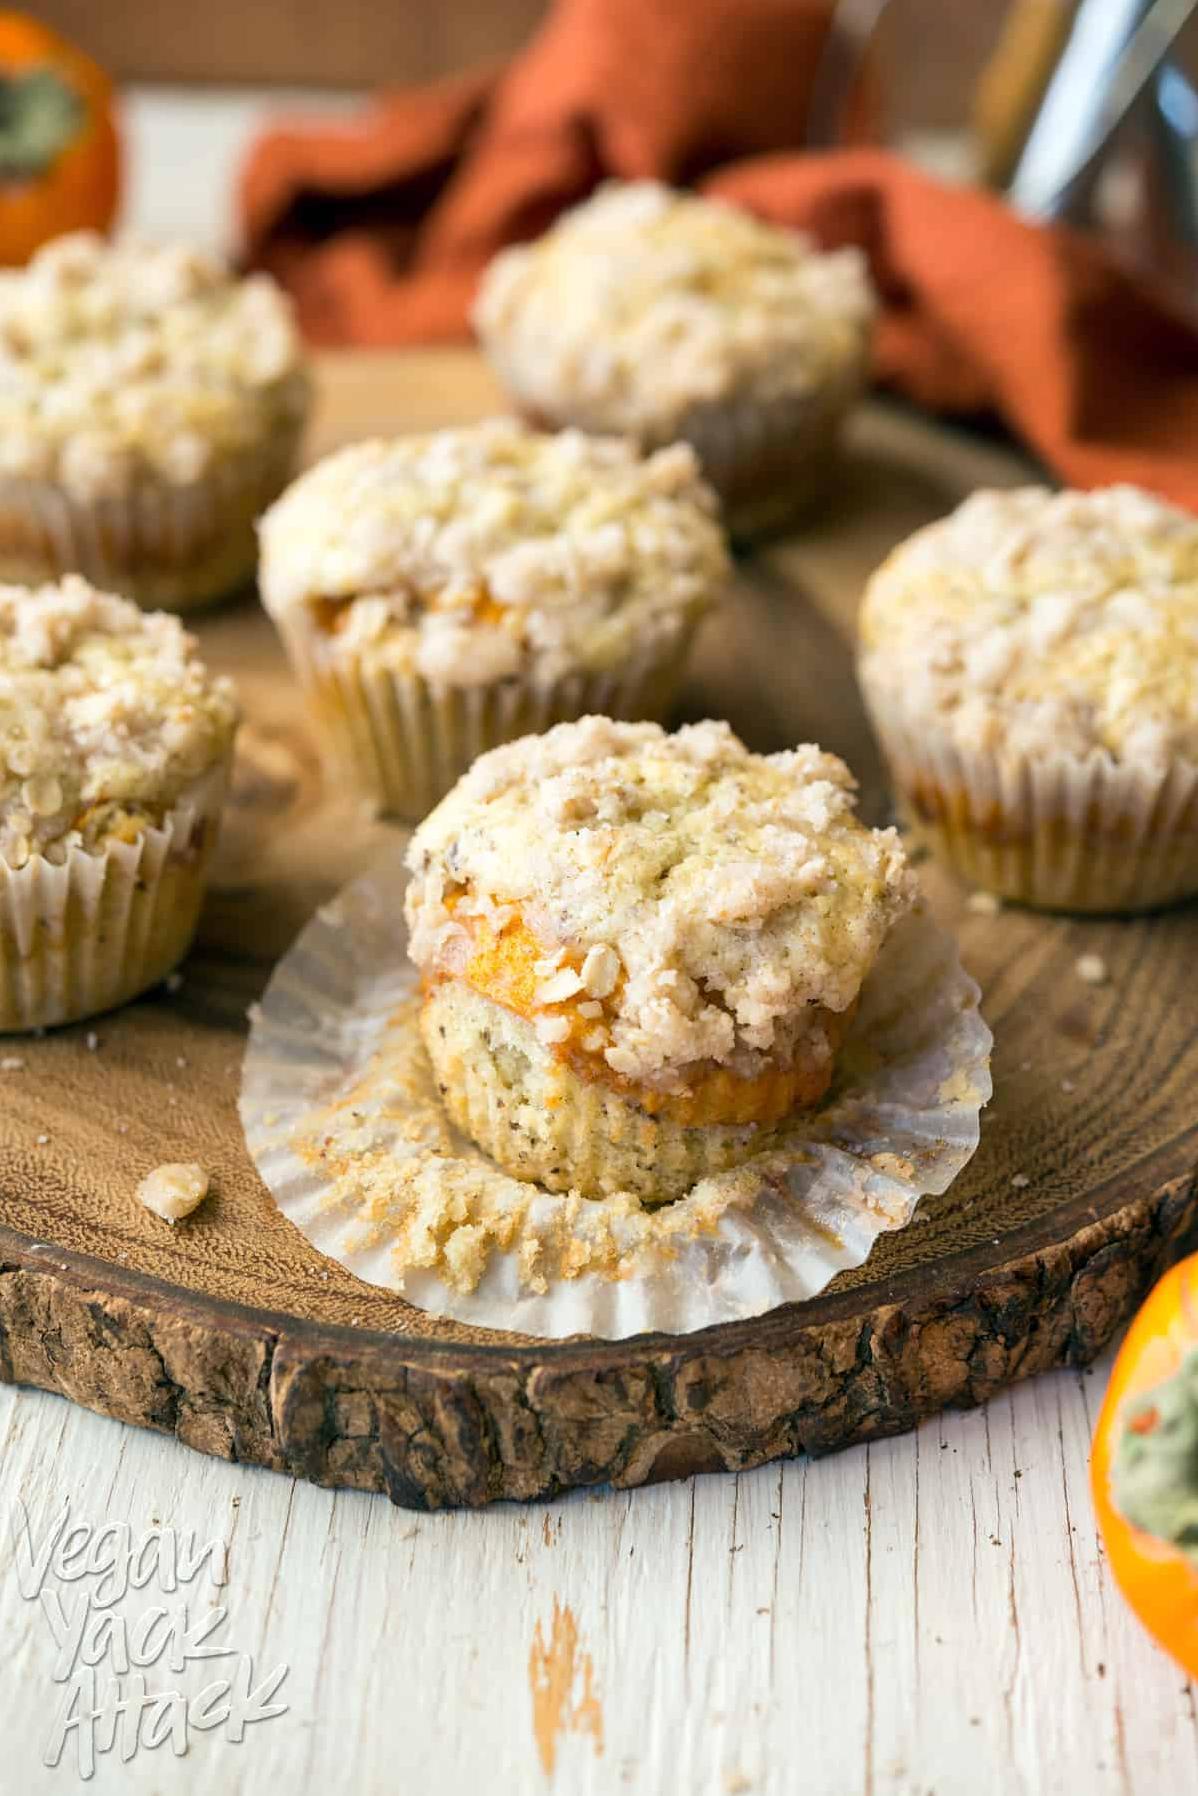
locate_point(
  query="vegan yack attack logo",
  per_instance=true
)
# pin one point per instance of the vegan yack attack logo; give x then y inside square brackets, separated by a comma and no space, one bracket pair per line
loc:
[140,1653]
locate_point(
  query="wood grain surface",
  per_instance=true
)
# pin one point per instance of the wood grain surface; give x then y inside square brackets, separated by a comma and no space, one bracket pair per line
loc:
[928,1616]
[232,1334]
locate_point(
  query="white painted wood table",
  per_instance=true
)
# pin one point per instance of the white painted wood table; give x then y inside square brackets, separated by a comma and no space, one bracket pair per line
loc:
[931,1614]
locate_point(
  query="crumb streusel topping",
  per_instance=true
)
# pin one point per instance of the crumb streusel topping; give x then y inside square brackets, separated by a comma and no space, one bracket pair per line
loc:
[643,303]
[473,554]
[1036,621]
[702,896]
[174,1190]
[118,359]
[106,717]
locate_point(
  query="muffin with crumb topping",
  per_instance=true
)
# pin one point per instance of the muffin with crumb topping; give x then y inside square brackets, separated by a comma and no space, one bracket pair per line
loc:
[151,406]
[441,594]
[115,748]
[1031,666]
[640,952]
[668,317]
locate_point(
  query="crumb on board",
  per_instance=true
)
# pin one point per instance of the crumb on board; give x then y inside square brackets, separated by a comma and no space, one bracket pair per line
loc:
[1020,1181]
[1068,1085]
[92,1041]
[983,904]
[42,1140]
[12,1063]
[1092,968]
[174,1190]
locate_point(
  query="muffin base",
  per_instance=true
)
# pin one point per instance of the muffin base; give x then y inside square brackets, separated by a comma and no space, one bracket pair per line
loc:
[542,1121]
[86,936]
[172,548]
[1056,832]
[404,742]
[769,461]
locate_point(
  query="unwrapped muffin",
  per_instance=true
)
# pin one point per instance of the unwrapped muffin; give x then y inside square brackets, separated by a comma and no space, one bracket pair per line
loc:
[150,408]
[665,316]
[115,747]
[641,951]
[442,594]
[1031,666]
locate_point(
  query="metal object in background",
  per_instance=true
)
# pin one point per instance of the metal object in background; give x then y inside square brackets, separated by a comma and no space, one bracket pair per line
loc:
[851,32]
[1112,145]
[1114,58]
[1175,125]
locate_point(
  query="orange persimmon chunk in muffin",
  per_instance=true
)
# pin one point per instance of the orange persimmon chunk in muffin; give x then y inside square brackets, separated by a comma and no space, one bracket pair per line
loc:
[507,966]
[639,950]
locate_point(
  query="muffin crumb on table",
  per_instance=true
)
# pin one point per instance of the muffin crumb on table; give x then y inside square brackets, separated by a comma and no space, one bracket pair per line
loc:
[984,904]
[175,1190]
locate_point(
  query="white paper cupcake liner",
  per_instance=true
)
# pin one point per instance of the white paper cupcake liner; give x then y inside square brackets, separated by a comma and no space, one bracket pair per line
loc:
[404,741]
[344,1121]
[1056,831]
[770,460]
[83,937]
[168,547]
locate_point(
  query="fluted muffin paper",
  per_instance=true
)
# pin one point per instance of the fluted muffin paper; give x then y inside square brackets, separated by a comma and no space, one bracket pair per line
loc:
[89,934]
[171,547]
[404,741]
[343,1119]
[1055,830]
[770,460]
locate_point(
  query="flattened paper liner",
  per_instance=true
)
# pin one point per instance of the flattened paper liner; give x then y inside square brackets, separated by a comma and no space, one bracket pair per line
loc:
[343,1120]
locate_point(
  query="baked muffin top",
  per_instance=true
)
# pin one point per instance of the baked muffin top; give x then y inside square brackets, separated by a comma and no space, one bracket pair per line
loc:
[116,359]
[703,895]
[1041,621]
[106,718]
[473,554]
[643,303]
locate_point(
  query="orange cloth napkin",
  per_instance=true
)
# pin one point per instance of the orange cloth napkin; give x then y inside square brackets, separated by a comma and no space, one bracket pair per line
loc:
[380,229]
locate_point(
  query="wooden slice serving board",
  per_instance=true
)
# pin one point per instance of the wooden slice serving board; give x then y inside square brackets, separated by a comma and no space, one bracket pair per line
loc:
[231,1333]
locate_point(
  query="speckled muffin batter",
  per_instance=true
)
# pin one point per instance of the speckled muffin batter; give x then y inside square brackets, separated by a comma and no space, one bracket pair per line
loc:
[642,950]
[1033,635]
[668,316]
[456,589]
